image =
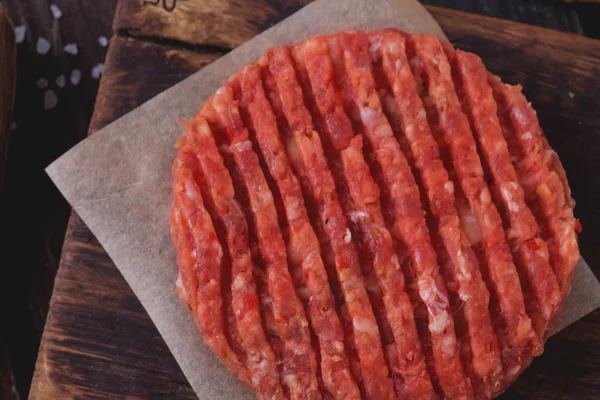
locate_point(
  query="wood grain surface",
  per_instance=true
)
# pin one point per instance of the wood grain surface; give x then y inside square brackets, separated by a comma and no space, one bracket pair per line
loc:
[225,23]
[544,13]
[33,214]
[83,358]
[155,18]
[99,342]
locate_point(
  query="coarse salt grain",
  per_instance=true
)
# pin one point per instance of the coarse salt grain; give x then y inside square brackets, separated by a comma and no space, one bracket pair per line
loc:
[56,12]
[75,77]
[71,48]
[20,33]
[50,99]
[42,83]
[103,41]
[61,81]
[97,70]
[42,46]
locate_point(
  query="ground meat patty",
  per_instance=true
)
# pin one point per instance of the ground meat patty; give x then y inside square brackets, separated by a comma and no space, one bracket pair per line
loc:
[530,252]
[303,246]
[200,259]
[408,225]
[371,215]
[471,297]
[362,207]
[374,371]
[297,358]
[542,177]
[261,362]
[454,137]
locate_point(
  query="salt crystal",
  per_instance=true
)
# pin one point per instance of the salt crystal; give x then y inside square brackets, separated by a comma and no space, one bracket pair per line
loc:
[20,33]
[571,94]
[75,77]
[71,48]
[97,71]
[55,11]
[43,46]
[13,126]
[42,83]
[61,81]
[103,41]
[50,99]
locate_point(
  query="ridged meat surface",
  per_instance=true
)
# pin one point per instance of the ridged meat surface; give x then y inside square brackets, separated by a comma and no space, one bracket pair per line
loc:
[371,215]
[452,132]
[367,340]
[200,259]
[530,252]
[362,207]
[461,266]
[298,359]
[303,246]
[542,177]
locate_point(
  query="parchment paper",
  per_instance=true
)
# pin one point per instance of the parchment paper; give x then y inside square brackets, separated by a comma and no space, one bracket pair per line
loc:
[118,181]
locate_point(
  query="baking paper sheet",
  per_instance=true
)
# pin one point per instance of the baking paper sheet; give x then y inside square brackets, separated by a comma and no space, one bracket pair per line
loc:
[119,182]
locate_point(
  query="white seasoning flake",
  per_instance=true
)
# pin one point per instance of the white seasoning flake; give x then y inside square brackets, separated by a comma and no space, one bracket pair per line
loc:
[75,77]
[571,94]
[50,99]
[56,12]
[97,70]
[61,81]
[20,33]
[103,41]
[71,48]
[439,323]
[42,83]
[514,370]
[357,215]
[364,325]
[348,236]
[42,46]
[449,186]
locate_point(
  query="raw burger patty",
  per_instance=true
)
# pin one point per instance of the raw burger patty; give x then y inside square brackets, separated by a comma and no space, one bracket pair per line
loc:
[371,215]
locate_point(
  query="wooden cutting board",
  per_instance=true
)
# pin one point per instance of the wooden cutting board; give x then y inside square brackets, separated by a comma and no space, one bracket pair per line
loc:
[100,343]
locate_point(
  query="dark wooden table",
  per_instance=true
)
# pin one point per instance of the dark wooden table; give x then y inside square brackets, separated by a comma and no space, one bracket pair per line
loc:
[8,71]
[98,341]
[33,215]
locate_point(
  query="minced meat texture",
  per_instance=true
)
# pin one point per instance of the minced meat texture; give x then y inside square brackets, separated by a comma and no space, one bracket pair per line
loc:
[303,246]
[261,361]
[531,255]
[452,132]
[460,263]
[371,215]
[361,204]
